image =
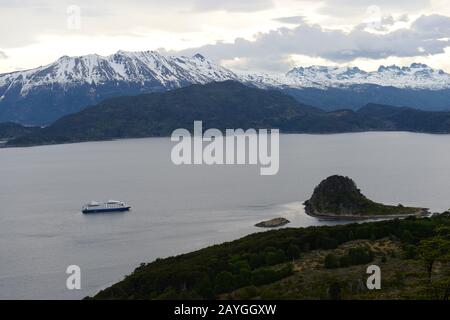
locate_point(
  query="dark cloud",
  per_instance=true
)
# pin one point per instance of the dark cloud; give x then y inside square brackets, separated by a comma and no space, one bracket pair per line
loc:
[425,37]
[432,25]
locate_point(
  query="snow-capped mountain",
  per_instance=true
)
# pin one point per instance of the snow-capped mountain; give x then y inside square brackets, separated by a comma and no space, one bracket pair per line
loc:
[416,76]
[133,67]
[43,94]
[69,84]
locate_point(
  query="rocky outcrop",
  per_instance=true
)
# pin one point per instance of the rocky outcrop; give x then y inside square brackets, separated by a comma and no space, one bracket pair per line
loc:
[338,196]
[276,222]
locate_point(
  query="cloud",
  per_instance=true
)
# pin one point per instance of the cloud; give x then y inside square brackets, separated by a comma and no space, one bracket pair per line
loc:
[232,5]
[34,19]
[381,23]
[3,55]
[428,35]
[432,25]
[348,8]
[291,20]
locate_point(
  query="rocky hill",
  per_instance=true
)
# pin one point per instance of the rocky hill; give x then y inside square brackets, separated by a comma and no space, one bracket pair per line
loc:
[338,196]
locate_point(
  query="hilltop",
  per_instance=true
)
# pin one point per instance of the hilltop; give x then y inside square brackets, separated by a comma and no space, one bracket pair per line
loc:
[338,196]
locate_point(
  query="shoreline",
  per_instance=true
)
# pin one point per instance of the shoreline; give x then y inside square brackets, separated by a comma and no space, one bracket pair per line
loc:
[4,143]
[312,213]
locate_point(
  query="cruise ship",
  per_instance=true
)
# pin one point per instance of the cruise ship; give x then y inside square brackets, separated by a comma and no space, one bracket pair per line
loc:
[109,206]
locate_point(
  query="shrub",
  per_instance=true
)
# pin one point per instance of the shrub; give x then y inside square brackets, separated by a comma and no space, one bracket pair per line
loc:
[331,261]
[334,291]
[293,251]
[224,282]
[274,256]
[360,256]
[410,251]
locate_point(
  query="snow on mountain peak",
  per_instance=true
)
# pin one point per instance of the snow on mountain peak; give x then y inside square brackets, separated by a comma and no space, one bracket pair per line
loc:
[198,56]
[417,76]
[152,70]
[133,67]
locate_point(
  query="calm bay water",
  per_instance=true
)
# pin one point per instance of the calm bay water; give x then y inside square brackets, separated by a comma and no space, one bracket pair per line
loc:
[178,209]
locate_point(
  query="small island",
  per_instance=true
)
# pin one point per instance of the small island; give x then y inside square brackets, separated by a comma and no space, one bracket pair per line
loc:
[272,223]
[337,197]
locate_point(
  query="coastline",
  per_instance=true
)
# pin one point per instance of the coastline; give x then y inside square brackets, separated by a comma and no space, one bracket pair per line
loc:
[4,143]
[423,212]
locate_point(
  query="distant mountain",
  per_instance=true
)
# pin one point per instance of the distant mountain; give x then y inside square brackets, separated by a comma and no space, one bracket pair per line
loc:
[332,88]
[42,95]
[10,130]
[416,76]
[407,119]
[219,105]
[224,105]
[356,96]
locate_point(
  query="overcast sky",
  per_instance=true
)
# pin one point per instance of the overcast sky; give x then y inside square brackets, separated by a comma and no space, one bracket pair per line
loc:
[244,35]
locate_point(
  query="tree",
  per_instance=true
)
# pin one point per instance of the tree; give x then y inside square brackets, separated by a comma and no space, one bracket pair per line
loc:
[433,250]
[274,256]
[410,251]
[360,256]
[351,235]
[407,237]
[293,251]
[334,291]
[224,282]
[331,261]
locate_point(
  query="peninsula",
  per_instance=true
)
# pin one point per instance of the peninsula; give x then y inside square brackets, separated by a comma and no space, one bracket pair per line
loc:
[338,197]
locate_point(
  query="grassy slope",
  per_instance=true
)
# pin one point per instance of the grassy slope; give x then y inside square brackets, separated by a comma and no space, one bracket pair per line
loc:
[260,265]
[401,278]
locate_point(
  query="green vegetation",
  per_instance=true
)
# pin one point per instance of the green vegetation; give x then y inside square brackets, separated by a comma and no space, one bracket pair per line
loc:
[338,196]
[327,262]
[354,256]
[435,250]
[219,105]
[10,130]
[223,105]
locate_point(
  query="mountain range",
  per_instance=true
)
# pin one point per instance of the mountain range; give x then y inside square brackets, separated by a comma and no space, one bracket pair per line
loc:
[222,105]
[42,95]
[70,84]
